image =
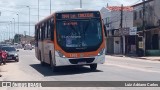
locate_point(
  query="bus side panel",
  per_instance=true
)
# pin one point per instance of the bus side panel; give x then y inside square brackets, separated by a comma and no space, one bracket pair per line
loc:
[40,50]
[52,50]
[36,52]
[47,49]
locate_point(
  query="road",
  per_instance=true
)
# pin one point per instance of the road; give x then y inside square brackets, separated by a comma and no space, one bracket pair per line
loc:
[115,69]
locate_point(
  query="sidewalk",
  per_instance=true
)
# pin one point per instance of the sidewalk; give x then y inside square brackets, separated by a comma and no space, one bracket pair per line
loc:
[152,58]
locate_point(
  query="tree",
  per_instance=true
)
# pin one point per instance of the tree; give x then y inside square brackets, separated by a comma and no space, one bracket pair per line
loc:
[17,38]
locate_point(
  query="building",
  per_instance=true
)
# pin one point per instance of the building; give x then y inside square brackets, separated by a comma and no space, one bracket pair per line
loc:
[27,40]
[119,22]
[151,24]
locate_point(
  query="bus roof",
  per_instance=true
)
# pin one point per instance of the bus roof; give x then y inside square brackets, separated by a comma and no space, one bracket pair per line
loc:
[76,10]
[66,11]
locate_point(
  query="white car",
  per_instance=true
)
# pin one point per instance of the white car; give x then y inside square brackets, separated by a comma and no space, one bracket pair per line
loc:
[28,47]
[19,46]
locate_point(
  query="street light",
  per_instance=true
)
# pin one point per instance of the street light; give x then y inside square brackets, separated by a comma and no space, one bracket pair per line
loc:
[144,34]
[10,28]
[14,30]
[80,3]
[29,19]
[7,27]
[18,27]
[38,10]
[50,7]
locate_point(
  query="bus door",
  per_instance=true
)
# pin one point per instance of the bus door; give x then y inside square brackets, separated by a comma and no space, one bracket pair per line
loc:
[46,42]
[40,43]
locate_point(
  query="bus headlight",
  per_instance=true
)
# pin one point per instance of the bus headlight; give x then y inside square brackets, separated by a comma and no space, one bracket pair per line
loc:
[101,52]
[60,54]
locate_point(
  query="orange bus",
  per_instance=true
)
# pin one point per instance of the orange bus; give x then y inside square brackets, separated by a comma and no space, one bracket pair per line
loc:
[74,37]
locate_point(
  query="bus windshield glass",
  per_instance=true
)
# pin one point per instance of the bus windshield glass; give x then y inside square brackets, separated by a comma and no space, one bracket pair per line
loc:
[79,35]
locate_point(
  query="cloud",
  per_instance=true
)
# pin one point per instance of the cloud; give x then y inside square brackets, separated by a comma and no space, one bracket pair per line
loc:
[10,8]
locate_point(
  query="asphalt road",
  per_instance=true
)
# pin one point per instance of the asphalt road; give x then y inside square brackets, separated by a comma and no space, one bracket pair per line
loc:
[115,69]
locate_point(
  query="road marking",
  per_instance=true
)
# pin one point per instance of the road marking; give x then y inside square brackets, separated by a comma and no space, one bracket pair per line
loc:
[133,68]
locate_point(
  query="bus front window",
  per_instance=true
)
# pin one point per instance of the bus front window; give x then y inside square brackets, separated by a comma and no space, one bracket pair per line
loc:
[79,35]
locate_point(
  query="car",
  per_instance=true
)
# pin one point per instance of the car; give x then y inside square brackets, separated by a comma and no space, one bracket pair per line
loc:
[33,46]
[28,47]
[12,53]
[19,46]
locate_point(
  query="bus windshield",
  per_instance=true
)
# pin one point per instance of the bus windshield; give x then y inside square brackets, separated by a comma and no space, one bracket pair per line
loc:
[79,35]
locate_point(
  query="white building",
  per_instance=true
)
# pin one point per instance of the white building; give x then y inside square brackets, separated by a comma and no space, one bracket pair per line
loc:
[116,42]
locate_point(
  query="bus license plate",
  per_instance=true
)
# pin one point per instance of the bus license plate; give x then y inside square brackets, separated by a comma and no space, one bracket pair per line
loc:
[81,62]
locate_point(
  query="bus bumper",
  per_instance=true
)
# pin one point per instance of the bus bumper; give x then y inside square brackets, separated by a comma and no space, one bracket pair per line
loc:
[60,61]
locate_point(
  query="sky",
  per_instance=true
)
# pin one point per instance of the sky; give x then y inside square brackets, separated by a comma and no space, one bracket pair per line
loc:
[10,8]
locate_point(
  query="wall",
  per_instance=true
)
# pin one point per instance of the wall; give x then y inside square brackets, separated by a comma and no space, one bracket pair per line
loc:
[115,16]
[105,13]
[152,13]
[157,11]
[159,40]
[117,45]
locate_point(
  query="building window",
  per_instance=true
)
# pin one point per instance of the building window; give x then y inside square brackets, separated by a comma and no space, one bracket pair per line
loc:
[135,15]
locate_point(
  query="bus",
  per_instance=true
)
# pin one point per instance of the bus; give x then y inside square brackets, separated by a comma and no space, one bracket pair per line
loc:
[73,37]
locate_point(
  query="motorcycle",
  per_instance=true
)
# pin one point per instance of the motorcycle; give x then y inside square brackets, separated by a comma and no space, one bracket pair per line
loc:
[3,57]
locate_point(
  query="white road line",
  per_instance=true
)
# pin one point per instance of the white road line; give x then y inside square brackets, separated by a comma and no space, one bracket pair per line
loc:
[133,68]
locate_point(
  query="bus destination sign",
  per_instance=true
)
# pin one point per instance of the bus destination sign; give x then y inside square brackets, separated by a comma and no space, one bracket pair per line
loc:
[77,15]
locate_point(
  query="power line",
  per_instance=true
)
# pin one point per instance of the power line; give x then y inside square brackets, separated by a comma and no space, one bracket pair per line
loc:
[5,10]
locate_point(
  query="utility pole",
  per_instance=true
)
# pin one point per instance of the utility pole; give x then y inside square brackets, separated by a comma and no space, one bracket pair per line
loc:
[50,7]
[10,28]
[80,3]
[8,32]
[18,28]
[144,34]
[14,30]
[38,10]
[29,19]
[121,29]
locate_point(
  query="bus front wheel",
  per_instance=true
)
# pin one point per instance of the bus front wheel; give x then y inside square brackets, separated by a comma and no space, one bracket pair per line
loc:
[93,67]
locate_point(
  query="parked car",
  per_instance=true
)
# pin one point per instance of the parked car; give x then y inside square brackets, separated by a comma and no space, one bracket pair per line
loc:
[12,53]
[33,46]
[28,47]
[18,46]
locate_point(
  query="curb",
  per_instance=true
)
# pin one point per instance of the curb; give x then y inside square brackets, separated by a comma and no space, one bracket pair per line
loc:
[136,57]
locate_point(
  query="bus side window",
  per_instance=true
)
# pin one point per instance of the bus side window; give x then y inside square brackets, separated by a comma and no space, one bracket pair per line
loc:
[39,33]
[45,31]
[52,29]
[36,29]
[42,31]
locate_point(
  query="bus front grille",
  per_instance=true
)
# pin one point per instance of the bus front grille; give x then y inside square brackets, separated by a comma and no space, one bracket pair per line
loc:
[76,61]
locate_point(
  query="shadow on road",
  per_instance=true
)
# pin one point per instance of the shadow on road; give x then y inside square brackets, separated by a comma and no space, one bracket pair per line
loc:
[67,70]
[11,61]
